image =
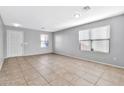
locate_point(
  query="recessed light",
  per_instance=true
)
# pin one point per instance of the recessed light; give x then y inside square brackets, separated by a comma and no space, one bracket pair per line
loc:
[17,25]
[77,15]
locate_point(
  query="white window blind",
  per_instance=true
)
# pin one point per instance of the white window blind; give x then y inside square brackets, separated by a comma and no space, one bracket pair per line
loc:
[85,45]
[100,33]
[84,35]
[101,46]
[96,39]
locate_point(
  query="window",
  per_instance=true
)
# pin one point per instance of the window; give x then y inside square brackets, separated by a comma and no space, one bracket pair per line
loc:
[44,41]
[96,39]
[100,39]
[101,46]
[85,43]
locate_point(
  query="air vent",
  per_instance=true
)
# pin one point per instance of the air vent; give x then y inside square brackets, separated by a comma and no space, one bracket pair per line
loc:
[86,8]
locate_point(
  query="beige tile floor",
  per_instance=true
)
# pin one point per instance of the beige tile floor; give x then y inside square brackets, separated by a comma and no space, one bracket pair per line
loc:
[57,70]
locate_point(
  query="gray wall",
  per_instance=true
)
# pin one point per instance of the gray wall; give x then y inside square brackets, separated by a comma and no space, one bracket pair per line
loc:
[2,33]
[1,39]
[66,42]
[32,37]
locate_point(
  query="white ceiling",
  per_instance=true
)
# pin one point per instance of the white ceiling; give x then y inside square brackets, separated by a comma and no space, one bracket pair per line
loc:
[55,18]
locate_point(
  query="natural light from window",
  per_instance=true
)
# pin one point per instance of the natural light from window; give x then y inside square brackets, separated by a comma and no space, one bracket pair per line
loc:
[44,40]
[96,39]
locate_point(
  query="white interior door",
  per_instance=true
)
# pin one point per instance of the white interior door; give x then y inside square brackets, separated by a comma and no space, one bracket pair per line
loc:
[15,41]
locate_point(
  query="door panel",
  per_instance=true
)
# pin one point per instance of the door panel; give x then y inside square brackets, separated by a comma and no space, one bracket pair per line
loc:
[14,43]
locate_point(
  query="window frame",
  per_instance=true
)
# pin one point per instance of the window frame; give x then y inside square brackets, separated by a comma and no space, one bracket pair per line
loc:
[45,41]
[91,40]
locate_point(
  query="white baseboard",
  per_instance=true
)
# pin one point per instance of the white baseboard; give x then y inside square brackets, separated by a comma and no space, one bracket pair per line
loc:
[65,54]
[36,53]
[42,52]
[1,63]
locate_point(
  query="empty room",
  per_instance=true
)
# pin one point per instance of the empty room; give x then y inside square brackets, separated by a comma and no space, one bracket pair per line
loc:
[61,45]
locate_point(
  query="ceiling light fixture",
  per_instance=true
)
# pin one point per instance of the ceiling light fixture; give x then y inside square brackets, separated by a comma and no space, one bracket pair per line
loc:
[17,25]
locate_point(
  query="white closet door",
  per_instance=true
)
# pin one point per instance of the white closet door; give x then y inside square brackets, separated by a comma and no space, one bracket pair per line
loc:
[14,43]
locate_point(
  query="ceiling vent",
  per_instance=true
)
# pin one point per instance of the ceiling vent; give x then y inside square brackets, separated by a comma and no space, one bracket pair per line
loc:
[86,8]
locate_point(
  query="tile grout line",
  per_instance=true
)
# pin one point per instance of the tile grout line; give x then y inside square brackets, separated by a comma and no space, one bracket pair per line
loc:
[22,74]
[32,67]
[7,73]
[37,59]
[39,72]
[100,77]
[53,80]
